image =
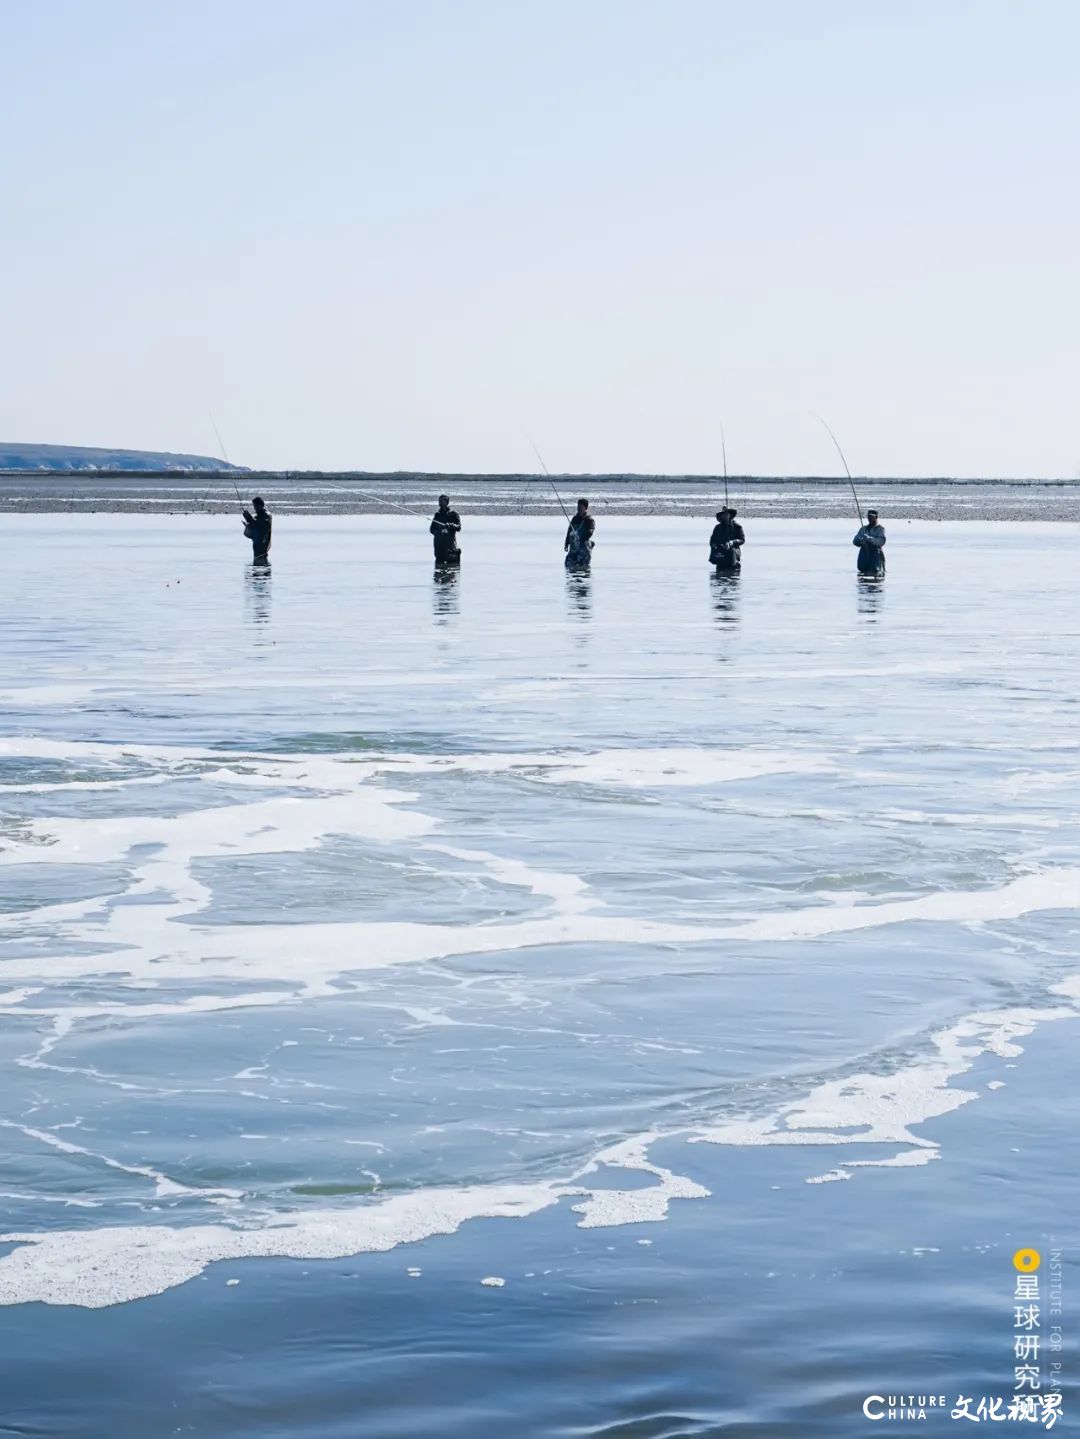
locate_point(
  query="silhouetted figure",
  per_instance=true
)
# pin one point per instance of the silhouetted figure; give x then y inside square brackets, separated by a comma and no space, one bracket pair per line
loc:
[871,542]
[726,542]
[579,537]
[444,528]
[257,528]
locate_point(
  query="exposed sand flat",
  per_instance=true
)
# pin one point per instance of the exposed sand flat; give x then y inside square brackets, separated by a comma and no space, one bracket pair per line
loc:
[315,494]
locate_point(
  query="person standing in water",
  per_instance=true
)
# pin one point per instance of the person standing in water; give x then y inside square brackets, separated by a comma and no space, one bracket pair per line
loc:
[444,528]
[579,536]
[725,543]
[870,540]
[257,529]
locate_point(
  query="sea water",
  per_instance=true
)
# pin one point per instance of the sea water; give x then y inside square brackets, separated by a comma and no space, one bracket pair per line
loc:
[638,1003]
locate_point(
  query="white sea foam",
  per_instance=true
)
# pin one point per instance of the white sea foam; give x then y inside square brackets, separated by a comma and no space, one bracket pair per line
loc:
[604,1207]
[163,1185]
[1051,889]
[567,890]
[160,940]
[99,1267]
[95,1268]
[262,827]
[132,782]
[146,941]
[830,1177]
[884,1108]
[641,768]
[15,997]
[906,1159]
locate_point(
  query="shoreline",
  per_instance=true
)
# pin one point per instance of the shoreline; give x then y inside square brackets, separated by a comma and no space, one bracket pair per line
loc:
[509,496]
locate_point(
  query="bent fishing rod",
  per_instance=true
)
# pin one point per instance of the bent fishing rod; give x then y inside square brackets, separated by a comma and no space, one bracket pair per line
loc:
[851,482]
[551,482]
[225,457]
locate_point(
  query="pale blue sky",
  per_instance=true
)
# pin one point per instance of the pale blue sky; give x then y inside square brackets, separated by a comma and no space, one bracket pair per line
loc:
[402,234]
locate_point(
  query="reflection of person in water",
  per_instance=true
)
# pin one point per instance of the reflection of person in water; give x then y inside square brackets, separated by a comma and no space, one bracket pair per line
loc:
[725,587]
[579,593]
[444,528]
[579,536]
[726,542]
[871,602]
[257,587]
[444,592]
[257,529]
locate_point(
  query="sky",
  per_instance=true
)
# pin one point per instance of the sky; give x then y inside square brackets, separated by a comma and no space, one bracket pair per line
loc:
[412,234]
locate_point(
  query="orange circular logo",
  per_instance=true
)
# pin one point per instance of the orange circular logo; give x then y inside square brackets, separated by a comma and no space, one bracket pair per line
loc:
[1027,1260]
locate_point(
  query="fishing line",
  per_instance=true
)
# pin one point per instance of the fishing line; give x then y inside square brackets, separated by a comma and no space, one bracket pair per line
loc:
[379,499]
[393,504]
[851,482]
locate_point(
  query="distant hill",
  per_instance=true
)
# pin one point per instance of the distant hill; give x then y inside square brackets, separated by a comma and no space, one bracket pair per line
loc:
[75,457]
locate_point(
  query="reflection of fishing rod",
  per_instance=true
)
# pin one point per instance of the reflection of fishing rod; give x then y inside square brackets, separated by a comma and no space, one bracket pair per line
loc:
[851,482]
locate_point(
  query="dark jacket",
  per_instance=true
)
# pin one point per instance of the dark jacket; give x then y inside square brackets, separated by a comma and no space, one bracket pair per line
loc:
[579,532]
[258,528]
[725,533]
[871,542]
[444,528]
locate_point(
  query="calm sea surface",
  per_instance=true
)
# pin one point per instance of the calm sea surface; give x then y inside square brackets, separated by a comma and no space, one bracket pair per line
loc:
[635,1005]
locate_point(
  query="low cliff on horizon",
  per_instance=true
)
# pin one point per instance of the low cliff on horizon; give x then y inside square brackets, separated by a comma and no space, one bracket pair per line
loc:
[77,457]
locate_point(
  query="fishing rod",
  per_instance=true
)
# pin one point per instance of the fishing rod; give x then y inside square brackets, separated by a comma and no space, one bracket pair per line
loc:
[723,447]
[225,457]
[224,453]
[551,482]
[393,504]
[528,483]
[217,432]
[213,482]
[851,482]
